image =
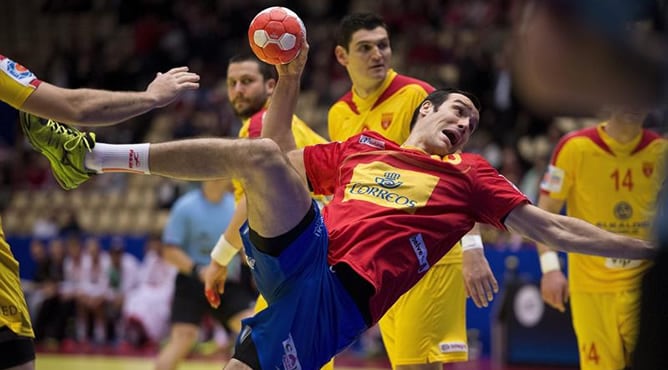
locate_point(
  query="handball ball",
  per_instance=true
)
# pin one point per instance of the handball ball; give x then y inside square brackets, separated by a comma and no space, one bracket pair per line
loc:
[276,35]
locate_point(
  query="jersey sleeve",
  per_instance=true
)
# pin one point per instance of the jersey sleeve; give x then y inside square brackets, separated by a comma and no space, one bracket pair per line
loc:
[17,83]
[494,196]
[321,163]
[558,178]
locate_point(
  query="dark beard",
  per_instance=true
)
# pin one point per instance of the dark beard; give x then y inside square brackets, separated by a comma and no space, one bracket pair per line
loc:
[248,112]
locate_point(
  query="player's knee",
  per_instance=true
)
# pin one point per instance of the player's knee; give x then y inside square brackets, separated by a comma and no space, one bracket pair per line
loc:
[264,154]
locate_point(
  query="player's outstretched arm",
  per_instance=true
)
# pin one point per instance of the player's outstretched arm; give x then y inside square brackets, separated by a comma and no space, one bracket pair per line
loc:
[573,235]
[93,107]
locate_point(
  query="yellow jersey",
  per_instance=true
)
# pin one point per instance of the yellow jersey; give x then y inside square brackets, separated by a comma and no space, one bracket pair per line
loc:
[16,85]
[252,128]
[613,186]
[387,111]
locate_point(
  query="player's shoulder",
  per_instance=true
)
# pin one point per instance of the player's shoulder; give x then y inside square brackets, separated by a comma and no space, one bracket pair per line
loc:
[403,81]
[343,104]
[579,140]
[467,159]
[652,140]
[369,141]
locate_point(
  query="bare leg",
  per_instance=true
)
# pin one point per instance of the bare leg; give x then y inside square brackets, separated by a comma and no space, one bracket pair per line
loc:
[181,340]
[29,366]
[235,364]
[277,196]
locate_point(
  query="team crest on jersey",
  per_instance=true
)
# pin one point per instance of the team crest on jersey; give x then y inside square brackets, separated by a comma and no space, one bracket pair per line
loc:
[16,71]
[647,169]
[454,158]
[623,211]
[386,120]
[388,186]
[374,143]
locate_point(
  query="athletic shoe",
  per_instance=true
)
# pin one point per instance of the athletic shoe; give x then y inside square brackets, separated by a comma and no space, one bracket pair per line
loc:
[65,148]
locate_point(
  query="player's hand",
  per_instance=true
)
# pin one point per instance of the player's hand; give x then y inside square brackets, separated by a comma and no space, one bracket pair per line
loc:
[168,86]
[295,67]
[554,288]
[214,282]
[478,277]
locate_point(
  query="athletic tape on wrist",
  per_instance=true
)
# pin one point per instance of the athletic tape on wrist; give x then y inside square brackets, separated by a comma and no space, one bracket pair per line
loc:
[471,242]
[223,252]
[549,261]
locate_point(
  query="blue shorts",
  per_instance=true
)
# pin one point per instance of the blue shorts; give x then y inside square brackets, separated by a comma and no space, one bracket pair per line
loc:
[311,317]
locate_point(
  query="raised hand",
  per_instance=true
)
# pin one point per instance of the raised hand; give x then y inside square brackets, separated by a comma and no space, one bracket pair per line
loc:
[168,86]
[296,66]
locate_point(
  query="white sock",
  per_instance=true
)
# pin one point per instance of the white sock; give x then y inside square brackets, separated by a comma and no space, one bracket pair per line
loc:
[131,158]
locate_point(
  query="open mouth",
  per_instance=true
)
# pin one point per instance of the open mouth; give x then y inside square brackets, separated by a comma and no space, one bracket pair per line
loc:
[454,138]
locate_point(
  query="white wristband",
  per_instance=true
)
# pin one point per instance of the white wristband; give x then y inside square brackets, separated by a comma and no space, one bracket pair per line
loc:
[471,242]
[549,261]
[223,252]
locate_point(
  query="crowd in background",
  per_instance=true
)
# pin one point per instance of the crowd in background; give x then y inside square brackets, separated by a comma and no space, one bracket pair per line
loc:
[121,44]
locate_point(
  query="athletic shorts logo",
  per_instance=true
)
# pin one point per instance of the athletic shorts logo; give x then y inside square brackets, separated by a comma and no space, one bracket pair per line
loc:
[290,358]
[453,347]
[250,261]
[621,263]
[553,180]
[420,250]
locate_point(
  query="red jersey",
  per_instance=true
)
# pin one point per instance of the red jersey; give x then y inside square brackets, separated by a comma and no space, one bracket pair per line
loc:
[396,211]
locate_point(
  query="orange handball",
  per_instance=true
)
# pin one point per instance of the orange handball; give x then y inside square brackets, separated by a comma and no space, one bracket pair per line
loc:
[276,35]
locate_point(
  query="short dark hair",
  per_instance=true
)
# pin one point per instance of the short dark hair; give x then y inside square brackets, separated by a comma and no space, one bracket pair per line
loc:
[267,71]
[438,96]
[355,22]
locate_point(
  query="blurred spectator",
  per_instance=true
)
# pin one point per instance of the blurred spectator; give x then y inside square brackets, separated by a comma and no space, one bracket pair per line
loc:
[33,288]
[93,292]
[147,308]
[123,278]
[70,225]
[55,312]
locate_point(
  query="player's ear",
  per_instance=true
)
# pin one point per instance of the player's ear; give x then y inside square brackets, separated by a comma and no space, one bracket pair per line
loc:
[341,55]
[426,107]
[270,84]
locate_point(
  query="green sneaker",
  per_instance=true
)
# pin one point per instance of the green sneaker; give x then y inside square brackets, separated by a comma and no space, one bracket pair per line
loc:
[65,148]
